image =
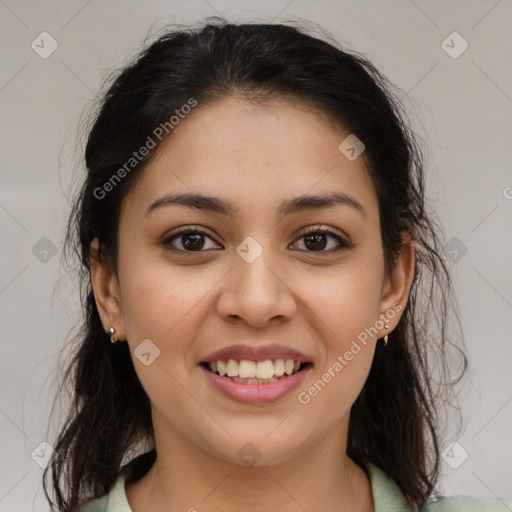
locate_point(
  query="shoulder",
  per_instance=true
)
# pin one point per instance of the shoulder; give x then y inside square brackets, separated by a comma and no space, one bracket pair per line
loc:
[467,504]
[388,497]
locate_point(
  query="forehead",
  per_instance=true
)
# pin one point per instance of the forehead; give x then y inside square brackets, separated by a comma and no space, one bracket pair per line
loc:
[254,154]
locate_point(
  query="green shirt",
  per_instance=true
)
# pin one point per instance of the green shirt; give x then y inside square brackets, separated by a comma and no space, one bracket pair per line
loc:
[386,496]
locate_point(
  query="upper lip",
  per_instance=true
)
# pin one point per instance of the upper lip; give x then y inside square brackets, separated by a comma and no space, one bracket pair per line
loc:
[258,353]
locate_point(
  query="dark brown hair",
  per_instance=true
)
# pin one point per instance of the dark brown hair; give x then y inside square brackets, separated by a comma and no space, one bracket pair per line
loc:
[394,421]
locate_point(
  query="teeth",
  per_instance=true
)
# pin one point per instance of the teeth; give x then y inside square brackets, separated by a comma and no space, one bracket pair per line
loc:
[246,369]
[232,368]
[265,370]
[221,367]
[253,372]
[254,381]
[288,366]
[279,367]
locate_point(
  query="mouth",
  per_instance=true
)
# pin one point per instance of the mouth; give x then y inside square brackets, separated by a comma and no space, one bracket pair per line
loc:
[256,372]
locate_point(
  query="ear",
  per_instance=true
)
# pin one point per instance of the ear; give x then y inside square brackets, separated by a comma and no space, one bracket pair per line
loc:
[106,292]
[396,287]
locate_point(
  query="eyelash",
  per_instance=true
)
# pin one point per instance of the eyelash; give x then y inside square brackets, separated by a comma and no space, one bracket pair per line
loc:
[313,230]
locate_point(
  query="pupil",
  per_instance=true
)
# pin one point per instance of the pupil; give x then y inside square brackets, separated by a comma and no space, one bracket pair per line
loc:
[318,241]
[196,237]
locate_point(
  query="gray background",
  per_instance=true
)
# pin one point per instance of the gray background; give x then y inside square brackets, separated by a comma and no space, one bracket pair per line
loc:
[462,107]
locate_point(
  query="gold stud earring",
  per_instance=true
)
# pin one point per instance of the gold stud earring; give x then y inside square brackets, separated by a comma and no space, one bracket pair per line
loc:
[386,337]
[112,331]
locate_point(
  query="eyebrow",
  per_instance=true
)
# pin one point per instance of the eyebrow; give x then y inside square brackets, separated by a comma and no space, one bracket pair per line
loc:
[287,207]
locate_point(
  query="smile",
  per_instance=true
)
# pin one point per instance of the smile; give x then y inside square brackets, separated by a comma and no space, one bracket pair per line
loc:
[255,372]
[255,382]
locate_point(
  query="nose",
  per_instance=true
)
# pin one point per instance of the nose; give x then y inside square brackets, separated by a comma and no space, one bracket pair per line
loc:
[258,292]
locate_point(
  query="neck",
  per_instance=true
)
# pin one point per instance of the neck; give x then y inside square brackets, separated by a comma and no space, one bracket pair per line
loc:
[186,478]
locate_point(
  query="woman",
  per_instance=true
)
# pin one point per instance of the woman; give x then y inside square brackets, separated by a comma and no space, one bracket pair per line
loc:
[264,288]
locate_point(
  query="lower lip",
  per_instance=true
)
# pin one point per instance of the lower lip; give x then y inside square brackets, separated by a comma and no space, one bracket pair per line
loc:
[255,393]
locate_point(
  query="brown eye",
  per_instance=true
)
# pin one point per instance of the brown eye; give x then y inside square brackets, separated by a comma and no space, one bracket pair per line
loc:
[317,240]
[188,240]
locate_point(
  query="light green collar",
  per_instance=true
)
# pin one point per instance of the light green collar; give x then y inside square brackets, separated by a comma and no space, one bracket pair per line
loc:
[386,494]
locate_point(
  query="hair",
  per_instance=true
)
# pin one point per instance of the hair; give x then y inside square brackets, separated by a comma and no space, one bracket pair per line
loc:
[395,421]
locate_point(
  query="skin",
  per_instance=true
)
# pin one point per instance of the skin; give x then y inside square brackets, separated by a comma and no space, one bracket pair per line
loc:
[190,304]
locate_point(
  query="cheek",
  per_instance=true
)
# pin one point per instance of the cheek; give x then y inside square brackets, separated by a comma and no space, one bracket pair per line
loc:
[346,301]
[160,305]
[345,311]
[155,295]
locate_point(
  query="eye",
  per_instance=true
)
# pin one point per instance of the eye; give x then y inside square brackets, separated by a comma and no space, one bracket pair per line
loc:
[190,240]
[316,240]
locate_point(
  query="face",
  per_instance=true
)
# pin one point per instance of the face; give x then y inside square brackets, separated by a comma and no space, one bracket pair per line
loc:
[308,279]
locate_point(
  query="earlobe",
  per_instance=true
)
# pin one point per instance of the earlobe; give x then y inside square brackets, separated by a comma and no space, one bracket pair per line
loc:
[106,292]
[398,284]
